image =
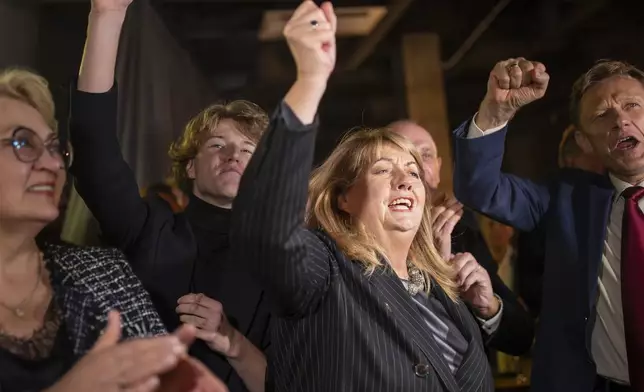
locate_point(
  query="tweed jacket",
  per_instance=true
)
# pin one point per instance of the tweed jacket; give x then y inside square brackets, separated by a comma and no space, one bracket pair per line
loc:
[88,283]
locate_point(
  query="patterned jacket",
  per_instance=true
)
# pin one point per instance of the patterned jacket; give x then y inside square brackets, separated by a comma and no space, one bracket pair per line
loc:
[88,282]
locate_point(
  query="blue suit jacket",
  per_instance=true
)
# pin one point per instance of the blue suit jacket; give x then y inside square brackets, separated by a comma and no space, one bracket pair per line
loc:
[573,209]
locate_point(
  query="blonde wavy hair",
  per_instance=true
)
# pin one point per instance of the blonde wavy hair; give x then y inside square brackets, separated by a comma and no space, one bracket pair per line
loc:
[29,88]
[350,160]
[251,121]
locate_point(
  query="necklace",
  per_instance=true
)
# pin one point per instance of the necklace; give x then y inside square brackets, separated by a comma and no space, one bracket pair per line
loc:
[19,310]
[416,282]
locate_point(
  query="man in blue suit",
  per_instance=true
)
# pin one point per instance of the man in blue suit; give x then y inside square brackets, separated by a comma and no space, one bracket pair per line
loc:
[591,332]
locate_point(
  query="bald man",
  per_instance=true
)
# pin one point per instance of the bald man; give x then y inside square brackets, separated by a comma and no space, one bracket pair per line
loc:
[515,333]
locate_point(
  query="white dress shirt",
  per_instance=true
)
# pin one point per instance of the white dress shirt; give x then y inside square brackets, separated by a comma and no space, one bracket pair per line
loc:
[608,342]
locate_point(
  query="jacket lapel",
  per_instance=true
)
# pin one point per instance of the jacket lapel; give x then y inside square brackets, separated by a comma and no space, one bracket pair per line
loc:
[402,308]
[592,204]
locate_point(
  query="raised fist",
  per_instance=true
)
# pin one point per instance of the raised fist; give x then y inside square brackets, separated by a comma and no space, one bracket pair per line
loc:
[110,5]
[310,34]
[512,84]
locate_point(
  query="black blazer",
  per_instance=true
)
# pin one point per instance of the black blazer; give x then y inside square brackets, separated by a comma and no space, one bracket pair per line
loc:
[163,248]
[337,328]
[515,334]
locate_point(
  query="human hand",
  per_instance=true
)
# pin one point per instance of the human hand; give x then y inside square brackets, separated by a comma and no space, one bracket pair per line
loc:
[310,34]
[132,366]
[445,216]
[207,315]
[512,84]
[475,285]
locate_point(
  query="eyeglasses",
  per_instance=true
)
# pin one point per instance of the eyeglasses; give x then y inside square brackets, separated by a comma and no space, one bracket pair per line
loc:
[29,147]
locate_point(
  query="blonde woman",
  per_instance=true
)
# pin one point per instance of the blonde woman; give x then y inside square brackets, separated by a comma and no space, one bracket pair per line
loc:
[56,299]
[363,300]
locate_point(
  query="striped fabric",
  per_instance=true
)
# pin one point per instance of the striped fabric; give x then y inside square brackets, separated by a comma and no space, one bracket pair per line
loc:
[336,329]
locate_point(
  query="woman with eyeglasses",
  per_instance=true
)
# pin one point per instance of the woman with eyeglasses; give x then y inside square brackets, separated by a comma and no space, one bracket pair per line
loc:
[55,300]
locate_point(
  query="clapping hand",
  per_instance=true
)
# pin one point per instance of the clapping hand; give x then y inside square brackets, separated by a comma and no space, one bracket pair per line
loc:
[207,315]
[511,85]
[445,215]
[475,285]
[130,366]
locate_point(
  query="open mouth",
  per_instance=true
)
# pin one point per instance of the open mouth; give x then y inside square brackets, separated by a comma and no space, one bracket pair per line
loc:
[626,143]
[402,204]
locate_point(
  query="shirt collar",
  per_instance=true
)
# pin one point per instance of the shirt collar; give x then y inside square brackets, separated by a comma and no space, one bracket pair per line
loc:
[621,186]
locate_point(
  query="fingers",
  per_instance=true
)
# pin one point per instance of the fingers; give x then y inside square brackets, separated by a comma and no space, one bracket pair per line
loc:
[517,73]
[112,332]
[450,212]
[329,13]
[201,300]
[186,334]
[139,360]
[468,271]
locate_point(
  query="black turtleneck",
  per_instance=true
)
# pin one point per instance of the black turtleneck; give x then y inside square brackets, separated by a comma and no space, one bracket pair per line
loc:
[172,254]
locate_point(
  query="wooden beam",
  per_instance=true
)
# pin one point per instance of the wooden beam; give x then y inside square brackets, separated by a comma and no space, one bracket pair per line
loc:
[425,91]
[394,12]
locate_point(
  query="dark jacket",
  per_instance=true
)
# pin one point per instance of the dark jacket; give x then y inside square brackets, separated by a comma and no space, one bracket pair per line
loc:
[573,211]
[172,254]
[336,329]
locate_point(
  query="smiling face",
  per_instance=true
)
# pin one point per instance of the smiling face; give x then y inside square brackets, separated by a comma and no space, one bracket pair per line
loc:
[220,163]
[29,191]
[611,116]
[388,196]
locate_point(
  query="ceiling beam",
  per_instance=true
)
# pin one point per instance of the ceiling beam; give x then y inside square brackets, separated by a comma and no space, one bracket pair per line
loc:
[395,11]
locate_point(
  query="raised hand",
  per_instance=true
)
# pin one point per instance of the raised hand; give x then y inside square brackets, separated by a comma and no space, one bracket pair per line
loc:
[445,216]
[310,34]
[130,366]
[207,315]
[475,285]
[512,84]
[110,5]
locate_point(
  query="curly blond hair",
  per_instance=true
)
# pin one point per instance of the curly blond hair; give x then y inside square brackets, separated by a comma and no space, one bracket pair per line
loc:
[251,121]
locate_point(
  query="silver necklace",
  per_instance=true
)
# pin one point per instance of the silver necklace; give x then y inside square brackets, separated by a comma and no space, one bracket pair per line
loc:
[19,310]
[416,281]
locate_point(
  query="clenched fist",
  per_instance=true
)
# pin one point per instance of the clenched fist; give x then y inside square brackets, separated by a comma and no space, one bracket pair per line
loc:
[512,84]
[310,34]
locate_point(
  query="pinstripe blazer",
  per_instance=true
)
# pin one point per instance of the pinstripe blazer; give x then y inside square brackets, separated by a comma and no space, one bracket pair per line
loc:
[88,283]
[337,328]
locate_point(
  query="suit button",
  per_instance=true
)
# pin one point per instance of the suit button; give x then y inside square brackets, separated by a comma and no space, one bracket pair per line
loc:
[387,307]
[421,370]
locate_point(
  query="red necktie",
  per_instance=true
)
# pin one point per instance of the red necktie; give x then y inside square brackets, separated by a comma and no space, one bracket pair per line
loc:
[633,285]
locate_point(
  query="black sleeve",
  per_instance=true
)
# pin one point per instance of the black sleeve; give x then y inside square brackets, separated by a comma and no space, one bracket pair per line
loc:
[268,232]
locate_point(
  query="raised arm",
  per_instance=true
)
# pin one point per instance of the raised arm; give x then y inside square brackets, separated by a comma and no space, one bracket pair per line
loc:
[103,178]
[268,214]
[479,182]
